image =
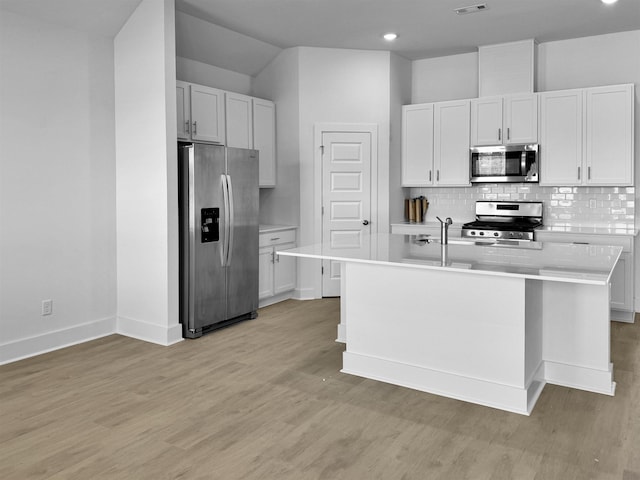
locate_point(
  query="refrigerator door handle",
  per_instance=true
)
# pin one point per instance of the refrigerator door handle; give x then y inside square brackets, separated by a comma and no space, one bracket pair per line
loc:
[231,220]
[224,251]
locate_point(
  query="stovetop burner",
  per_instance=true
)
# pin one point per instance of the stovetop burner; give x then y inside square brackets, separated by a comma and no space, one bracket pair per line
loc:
[500,220]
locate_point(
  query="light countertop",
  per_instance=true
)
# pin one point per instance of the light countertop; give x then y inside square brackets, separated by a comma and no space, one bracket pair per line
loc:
[573,229]
[589,230]
[275,228]
[563,262]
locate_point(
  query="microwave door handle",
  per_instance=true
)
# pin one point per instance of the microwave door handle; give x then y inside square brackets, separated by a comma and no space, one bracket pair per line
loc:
[523,163]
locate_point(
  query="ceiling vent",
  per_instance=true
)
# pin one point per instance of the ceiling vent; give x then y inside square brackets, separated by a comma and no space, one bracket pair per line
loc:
[471,9]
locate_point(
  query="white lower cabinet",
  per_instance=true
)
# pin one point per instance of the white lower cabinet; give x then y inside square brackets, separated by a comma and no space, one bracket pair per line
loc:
[622,279]
[277,274]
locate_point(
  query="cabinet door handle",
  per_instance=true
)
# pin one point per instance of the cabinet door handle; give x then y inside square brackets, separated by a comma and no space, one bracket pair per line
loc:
[429,175]
[186,126]
[273,257]
[578,173]
[195,128]
[499,134]
[508,133]
[438,175]
[275,239]
[588,173]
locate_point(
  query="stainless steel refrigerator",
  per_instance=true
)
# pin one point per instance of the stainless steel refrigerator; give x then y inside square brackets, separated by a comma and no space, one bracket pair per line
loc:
[218,193]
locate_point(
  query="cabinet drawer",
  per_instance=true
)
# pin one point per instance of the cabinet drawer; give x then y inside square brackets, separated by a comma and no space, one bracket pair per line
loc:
[616,240]
[276,238]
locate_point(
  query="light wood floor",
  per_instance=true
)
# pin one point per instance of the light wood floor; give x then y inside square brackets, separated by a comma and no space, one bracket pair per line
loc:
[265,400]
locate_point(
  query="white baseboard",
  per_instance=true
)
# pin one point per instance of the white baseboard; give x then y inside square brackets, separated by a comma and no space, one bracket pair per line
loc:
[265,302]
[304,294]
[582,378]
[622,316]
[149,332]
[474,390]
[50,341]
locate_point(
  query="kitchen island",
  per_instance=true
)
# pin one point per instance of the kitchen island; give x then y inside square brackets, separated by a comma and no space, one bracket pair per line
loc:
[485,323]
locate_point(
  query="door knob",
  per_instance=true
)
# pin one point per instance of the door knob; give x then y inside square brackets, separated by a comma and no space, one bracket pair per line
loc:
[365,222]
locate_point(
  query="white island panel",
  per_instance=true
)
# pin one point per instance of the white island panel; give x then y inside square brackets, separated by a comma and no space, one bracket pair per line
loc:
[460,346]
[489,324]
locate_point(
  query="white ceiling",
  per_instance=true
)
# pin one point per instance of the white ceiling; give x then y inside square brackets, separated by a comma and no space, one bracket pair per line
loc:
[425,28]
[249,33]
[103,17]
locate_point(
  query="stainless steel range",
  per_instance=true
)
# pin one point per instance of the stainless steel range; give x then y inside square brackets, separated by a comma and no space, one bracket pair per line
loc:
[504,220]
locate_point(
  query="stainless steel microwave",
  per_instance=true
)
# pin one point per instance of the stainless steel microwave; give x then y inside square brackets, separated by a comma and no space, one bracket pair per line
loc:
[504,163]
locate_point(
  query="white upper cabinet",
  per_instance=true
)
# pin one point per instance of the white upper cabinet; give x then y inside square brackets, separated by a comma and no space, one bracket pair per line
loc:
[609,135]
[435,144]
[417,145]
[200,113]
[561,138]
[486,121]
[504,120]
[207,114]
[251,123]
[183,110]
[239,116]
[586,136]
[264,140]
[451,143]
[520,119]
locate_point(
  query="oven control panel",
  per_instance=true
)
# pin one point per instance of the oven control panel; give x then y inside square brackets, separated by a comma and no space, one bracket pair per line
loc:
[470,233]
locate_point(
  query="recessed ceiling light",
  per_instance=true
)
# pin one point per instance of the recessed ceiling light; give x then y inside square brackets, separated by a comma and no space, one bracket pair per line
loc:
[609,2]
[390,37]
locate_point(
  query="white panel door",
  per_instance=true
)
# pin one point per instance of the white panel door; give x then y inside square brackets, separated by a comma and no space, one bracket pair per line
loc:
[486,121]
[561,138]
[417,145]
[264,140]
[346,200]
[520,119]
[239,115]
[609,135]
[183,113]
[265,272]
[207,114]
[284,270]
[451,143]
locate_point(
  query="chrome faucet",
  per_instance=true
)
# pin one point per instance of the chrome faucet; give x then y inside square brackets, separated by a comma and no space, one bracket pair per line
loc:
[444,230]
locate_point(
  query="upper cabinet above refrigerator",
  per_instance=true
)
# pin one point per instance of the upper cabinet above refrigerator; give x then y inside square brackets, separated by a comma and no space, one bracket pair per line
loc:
[206,114]
[504,120]
[200,113]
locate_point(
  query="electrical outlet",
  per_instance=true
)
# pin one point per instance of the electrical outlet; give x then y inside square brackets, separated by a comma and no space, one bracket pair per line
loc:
[47,307]
[592,203]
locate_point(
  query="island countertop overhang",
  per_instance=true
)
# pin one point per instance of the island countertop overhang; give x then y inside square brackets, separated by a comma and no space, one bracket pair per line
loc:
[573,263]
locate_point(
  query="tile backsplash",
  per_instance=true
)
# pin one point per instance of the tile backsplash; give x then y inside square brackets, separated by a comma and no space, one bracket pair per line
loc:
[575,206]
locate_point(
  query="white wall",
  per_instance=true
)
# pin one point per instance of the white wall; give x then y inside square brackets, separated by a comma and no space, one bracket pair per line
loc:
[445,78]
[400,95]
[279,82]
[57,194]
[146,175]
[193,71]
[340,86]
